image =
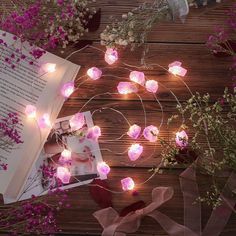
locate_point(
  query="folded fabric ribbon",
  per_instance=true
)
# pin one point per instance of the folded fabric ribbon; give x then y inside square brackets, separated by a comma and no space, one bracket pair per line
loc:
[119,226]
[114,225]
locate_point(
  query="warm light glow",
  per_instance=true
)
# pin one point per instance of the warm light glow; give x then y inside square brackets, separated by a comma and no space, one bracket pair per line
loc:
[176,69]
[44,121]
[49,67]
[127,184]
[103,168]
[65,156]
[77,121]
[126,88]
[137,77]
[151,86]
[135,151]
[94,73]
[30,111]
[63,174]
[134,131]
[94,133]
[67,89]
[150,133]
[111,56]
[181,139]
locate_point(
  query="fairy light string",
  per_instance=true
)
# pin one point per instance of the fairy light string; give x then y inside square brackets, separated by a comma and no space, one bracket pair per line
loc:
[135,80]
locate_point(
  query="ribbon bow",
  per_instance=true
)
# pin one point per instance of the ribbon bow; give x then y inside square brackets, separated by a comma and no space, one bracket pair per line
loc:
[114,225]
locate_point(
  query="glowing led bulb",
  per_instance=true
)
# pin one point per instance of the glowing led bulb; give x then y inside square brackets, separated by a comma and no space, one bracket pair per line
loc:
[65,156]
[49,67]
[176,69]
[150,133]
[103,168]
[63,174]
[137,77]
[77,121]
[94,133]
[127,184]
[94,73]
[111,56]
[135,151]
[126,88]
[67,89]
[181,139]
[44,121]
[134,131]
[151,86]
[30,111]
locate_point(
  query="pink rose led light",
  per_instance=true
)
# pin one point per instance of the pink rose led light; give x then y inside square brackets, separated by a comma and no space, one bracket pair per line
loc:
[134,131]
[77,121]
[126,88]
[103,168]
[151,86]
[30,111]
[181,139]
[67,89]
[150,133]
[94,133]
[63,174]
[111,56]
[135,151]
[44,121]
[176,69]
[127,184]
[137,77]
[94,73]
[65,156]
[49,67]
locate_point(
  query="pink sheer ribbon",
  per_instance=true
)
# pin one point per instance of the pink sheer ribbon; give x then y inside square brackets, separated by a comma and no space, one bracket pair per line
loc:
[114,225]
[120,226]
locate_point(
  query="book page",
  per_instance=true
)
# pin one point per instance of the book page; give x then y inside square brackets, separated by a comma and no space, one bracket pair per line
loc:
[27,84]
[85,156]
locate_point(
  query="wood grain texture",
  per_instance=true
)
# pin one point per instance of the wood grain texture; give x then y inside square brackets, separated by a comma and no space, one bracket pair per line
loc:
[196,29]
[167,42]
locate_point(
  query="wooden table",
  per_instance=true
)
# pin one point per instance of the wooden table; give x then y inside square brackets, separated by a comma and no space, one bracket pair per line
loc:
[167,42]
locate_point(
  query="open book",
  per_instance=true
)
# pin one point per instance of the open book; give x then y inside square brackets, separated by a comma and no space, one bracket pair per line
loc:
[19,87]
[85,155]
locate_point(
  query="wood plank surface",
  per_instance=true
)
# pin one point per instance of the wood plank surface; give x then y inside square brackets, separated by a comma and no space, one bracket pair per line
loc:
[196,29]
[167,42]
